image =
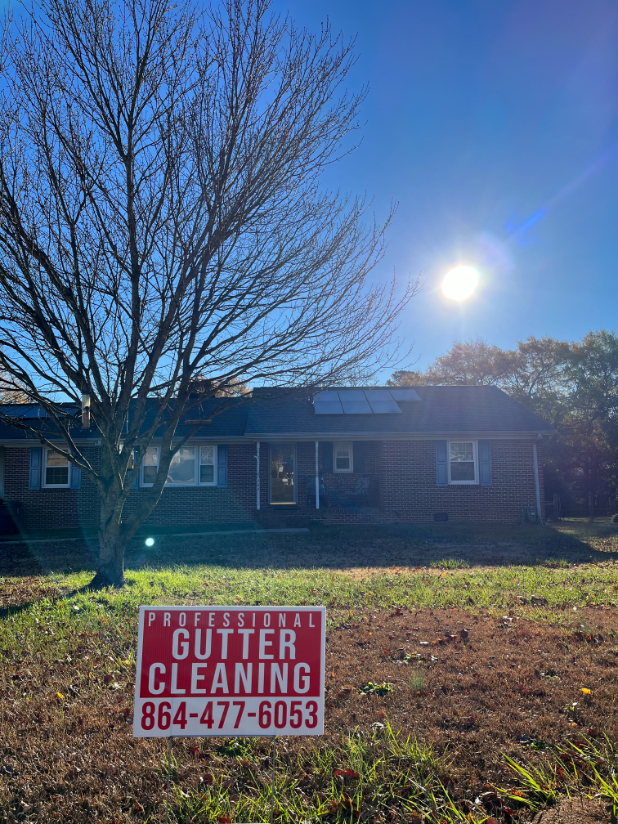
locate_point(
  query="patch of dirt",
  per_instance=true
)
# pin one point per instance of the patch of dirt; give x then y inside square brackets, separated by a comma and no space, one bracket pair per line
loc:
[478,685]
[575,811]
[473,685]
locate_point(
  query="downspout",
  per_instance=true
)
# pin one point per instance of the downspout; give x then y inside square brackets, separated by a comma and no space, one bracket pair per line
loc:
[537,485]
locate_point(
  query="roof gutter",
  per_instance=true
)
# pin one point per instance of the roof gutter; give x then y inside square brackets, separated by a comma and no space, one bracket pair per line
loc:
[389,436]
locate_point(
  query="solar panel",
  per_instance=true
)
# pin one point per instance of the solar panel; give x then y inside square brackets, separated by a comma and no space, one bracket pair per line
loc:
[361,401]
[327,403]
[381,402]
[354,402]
[404,394]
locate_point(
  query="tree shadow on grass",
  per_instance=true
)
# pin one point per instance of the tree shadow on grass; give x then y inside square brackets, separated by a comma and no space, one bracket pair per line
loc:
[335,548]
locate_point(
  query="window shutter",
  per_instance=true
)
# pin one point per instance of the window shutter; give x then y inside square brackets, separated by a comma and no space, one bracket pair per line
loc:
[485,463]
[135,481]
[358,456]
[222,465]
[441,467]
[327,456]
[35,467]
[75,480]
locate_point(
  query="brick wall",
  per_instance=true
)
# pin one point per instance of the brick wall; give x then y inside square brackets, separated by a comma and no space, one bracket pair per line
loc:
[402,486]
[408,484]
[49,508]
[209,504]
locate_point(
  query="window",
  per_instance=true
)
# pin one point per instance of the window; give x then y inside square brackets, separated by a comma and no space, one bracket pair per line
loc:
[182,467]
[343,457]
[462,464]
[150,465]
[207,464]
[190,466]
[56,469]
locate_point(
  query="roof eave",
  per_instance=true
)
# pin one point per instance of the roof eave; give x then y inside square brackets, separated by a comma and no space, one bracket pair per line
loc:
[396,436]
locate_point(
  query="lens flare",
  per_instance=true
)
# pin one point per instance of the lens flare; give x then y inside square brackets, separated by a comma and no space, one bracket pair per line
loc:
[149,541]
[460,282]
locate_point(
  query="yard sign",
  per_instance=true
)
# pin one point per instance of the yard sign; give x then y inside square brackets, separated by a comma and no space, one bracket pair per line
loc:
[230,671]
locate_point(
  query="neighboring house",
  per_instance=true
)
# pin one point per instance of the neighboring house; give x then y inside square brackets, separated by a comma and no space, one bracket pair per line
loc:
[466,453]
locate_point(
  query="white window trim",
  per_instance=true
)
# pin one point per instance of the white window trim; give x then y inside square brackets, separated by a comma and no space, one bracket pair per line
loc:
[197,481]
[342,443]
[475,451]
[44,483]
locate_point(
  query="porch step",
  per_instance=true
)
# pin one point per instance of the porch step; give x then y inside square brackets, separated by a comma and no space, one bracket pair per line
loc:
[305,516]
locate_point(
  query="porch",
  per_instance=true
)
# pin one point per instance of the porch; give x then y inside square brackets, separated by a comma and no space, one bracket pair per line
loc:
[306,516]
[328,481]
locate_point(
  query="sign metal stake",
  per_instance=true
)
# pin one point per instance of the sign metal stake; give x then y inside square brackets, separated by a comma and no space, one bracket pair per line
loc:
[169,769]
[272,798]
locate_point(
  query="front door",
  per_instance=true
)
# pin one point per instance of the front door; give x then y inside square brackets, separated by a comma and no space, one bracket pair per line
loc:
[283,473]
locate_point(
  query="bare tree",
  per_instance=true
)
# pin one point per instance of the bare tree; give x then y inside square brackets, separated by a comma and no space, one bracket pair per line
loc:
[161,219]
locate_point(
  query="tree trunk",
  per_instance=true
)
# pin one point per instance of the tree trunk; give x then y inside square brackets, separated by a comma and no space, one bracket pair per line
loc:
[590,505]
[112,544]
[110,572]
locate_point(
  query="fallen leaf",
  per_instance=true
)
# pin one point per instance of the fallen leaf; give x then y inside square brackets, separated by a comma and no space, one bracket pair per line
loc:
[348,773]
[586,691]
[60,696]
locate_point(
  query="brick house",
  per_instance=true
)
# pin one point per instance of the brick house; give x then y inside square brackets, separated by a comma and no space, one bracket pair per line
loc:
[462,453]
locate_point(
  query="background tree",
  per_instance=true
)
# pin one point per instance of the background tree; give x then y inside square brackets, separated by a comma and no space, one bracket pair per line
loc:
[161,219]
[473,363]
[10,390]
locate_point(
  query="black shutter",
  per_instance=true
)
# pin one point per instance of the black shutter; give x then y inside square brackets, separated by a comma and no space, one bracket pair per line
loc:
[485,462]
[441,465]
[135,481]
[222,465]
[35,467]
[75,476]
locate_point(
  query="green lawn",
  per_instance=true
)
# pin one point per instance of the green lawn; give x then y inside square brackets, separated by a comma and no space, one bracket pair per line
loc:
[545,574]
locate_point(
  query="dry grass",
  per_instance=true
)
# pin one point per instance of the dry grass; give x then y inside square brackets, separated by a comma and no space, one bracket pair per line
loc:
[471,688]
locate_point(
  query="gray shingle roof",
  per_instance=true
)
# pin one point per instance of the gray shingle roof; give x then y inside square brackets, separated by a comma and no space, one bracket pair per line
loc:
[442,409]
[286,413]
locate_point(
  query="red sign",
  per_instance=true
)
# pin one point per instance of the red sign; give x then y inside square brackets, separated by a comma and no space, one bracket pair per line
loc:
[230,671]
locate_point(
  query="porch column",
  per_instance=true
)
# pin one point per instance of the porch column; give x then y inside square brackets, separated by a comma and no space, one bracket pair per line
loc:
[317,479]
[257,485]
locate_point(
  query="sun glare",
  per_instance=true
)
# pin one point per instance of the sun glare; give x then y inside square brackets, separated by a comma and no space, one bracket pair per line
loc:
[460,282]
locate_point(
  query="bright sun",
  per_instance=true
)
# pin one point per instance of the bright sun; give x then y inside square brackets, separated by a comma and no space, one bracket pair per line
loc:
[460,282]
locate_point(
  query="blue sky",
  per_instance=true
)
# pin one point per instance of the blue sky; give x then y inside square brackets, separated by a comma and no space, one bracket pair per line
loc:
[494,124]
